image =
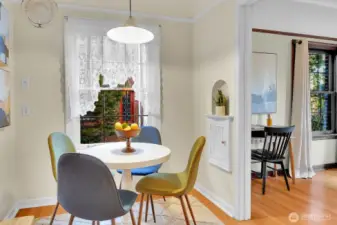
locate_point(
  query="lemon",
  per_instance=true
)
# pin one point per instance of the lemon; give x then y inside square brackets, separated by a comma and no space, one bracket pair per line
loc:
[128,128]
[134,126]
[118,126]
[125,125]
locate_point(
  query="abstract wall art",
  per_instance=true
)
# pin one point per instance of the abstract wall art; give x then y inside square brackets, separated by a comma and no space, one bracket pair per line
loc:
[264,83]
[4,36]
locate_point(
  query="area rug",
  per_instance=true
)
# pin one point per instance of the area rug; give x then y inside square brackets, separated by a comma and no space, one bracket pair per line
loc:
[167,213]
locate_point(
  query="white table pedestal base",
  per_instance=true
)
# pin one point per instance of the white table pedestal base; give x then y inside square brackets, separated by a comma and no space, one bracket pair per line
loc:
[127,180]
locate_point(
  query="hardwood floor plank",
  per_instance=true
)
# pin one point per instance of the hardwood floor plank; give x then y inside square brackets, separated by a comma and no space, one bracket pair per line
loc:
[315,197]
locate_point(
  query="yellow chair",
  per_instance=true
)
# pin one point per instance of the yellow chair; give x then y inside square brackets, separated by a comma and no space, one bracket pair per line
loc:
[173,184]
[59,144]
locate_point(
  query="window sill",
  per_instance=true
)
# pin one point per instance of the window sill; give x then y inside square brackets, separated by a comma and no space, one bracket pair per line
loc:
[324,137]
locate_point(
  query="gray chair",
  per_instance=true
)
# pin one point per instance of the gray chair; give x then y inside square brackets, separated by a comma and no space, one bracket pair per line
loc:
[86,189]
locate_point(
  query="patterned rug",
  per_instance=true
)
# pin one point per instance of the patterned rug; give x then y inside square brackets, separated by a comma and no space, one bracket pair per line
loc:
[167,213]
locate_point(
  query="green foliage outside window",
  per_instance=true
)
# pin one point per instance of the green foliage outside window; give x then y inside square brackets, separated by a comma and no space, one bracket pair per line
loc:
[98,126]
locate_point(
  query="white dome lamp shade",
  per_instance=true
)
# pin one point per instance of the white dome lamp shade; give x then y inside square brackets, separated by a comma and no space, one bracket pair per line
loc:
[130,33]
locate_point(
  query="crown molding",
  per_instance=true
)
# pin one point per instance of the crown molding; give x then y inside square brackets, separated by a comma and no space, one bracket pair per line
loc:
[125,13]
[319,3]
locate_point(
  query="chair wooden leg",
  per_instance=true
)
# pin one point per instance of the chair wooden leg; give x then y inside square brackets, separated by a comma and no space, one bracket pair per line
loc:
[54,213]
[164,198]
[147,207]
[113,222]
[152,206]
[93,222]
[98,223]
[292,162]
[285,176]
[71,219]
[141,209]
[132,217]
[190,208]
[184,210]
[264,176]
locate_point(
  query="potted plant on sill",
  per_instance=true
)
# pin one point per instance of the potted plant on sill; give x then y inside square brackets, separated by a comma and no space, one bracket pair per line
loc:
[220,104]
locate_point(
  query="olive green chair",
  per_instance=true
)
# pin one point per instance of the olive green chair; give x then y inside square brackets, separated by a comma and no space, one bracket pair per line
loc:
[173,184]
[59,144]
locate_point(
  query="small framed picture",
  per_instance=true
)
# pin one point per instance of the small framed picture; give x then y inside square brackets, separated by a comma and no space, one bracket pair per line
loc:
[5,106]
[4,53]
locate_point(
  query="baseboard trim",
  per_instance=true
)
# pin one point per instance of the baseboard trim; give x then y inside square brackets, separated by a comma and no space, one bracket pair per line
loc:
[30,203]
[12,213]
[38,202]
[224,206]
[324,167]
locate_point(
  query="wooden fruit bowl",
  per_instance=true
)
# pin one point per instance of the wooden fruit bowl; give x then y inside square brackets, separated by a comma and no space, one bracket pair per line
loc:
[127,135]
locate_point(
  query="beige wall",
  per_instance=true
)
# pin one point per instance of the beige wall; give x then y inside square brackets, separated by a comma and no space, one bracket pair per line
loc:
[38,55]
[214,39]
[7,150]
[324,151]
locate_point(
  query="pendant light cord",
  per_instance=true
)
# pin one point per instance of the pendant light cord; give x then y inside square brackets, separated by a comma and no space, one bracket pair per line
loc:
[130,9]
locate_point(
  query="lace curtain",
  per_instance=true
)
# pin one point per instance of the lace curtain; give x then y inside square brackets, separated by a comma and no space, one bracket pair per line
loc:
[89,53]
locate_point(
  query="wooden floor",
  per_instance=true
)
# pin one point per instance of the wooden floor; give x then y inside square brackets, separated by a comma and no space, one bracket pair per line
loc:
[314,201]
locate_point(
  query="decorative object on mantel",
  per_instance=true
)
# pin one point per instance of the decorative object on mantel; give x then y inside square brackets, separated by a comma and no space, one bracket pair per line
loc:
[124,131]
[220,104]
[40,12]
[218,141]
[130,33]
[269,121]
[220,99]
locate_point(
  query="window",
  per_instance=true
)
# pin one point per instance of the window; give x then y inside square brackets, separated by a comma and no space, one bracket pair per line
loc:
[106,82]
[323,92]
[113,105]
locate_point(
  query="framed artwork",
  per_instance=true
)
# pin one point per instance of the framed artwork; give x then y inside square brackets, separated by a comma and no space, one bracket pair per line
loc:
[5,107]
[264,83]
[4,36]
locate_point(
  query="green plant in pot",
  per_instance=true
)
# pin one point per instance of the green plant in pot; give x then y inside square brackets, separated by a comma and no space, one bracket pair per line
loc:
[220,104]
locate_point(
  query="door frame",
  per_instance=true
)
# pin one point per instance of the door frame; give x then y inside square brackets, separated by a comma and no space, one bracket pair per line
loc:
[242,157]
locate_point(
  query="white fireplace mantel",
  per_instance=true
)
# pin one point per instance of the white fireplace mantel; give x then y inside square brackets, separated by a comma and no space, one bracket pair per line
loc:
[219,141]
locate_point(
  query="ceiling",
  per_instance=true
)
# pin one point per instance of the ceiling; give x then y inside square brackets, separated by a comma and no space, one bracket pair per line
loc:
[185,9]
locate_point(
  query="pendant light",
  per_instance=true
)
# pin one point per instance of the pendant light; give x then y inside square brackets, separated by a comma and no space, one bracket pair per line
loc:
[130,33]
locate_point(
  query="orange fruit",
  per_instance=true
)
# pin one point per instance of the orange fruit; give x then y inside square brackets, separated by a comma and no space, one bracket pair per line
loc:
[134,126]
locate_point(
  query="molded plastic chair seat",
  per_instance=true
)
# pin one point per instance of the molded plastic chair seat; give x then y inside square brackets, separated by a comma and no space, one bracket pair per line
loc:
[87,190]
[173,184]
[128,198]
[163,184]
[143,171]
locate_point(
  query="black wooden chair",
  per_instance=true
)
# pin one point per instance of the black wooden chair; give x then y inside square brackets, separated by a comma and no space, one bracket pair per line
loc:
[274,148]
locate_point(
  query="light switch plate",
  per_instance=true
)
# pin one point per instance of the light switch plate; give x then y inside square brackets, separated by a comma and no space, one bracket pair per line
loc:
[25,110]
[25,83]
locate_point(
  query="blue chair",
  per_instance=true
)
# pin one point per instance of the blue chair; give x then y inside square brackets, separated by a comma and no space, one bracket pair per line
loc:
[150,135]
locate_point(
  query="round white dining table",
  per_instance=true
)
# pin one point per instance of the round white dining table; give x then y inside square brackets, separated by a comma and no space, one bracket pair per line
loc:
[145,155]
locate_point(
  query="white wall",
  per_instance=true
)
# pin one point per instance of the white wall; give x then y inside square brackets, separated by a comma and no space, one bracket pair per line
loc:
[324,151]
[39,55]
[214,39]
[7,148]
[290,16]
